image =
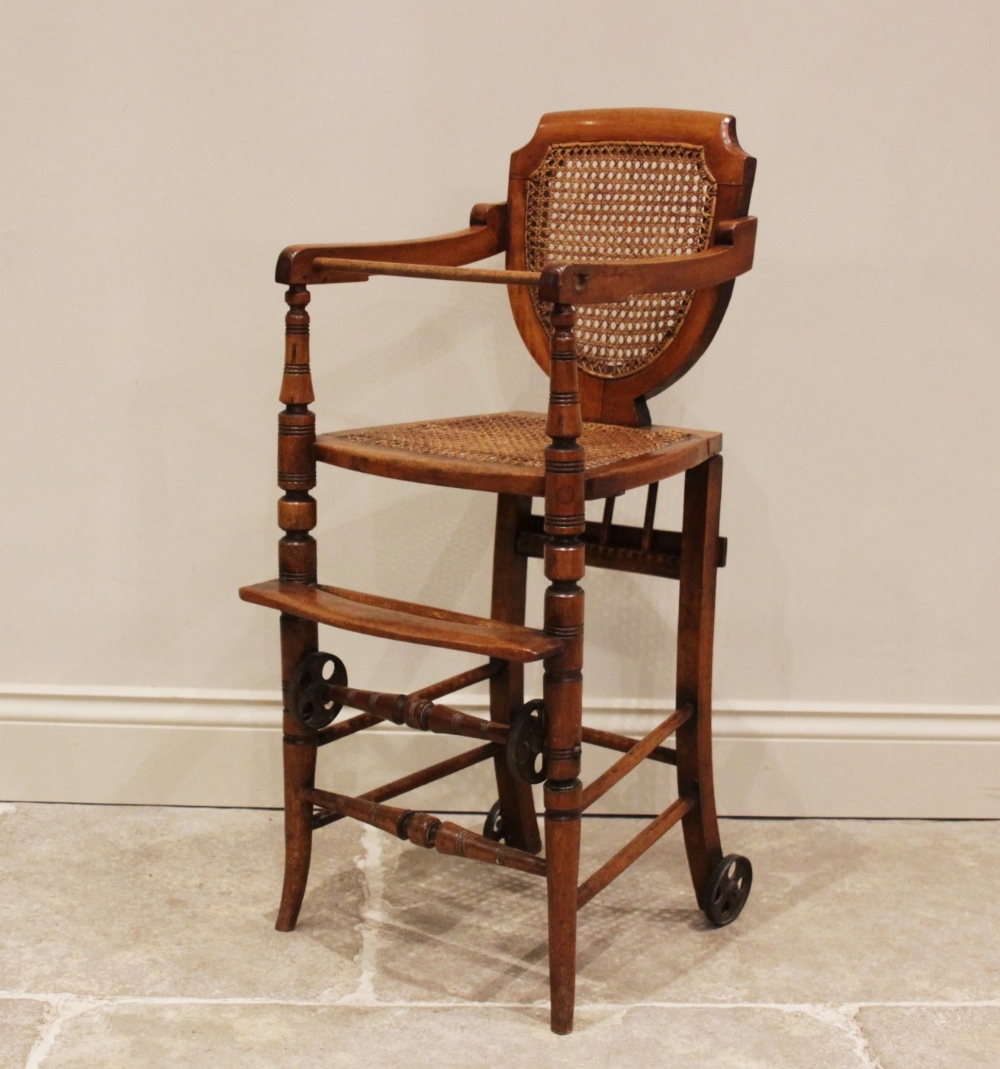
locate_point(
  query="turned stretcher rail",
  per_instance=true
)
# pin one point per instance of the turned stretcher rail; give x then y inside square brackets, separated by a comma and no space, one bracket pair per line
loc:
[610,740]
[420,778]
[633,850]
[637,753]
[412,711]
[428,831]
[429,693]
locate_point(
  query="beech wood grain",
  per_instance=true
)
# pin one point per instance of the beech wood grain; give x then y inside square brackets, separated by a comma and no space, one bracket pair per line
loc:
[403,621]
[634,849]
[424,829]
[637,753]
[611,740]
[486,236]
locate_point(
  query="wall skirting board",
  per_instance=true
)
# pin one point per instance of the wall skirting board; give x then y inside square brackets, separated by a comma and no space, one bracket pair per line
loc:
[221,748]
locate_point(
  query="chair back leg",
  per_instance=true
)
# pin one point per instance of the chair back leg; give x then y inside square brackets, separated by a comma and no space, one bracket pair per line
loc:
[695,631]
[510,575]
[298,637]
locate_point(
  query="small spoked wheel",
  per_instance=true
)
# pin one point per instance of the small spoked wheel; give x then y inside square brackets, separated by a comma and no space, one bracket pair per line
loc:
[728,889]
[309,699]
[526,743]
[493,828]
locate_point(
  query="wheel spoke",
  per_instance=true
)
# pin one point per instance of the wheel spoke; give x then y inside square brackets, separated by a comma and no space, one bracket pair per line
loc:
[728,889]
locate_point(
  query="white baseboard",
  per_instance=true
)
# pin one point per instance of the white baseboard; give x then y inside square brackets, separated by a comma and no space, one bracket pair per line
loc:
[147,746]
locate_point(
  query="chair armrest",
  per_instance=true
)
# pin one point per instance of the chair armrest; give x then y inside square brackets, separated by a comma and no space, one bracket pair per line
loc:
[360,270]
[581,283]
[485,236]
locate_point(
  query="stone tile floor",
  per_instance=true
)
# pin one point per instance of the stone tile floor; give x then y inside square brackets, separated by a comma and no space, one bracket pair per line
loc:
[143,937]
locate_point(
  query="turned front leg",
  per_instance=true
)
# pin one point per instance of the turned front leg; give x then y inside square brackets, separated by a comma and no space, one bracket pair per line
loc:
[563,679]
[297,564]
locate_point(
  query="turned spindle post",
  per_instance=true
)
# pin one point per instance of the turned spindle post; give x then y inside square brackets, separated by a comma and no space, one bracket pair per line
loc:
[297,564]
[563,678]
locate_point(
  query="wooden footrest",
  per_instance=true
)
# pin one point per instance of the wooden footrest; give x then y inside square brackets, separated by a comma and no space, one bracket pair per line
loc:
[403,620]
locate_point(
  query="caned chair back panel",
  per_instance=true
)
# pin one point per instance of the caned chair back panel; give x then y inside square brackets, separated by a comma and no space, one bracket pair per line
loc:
[602,186]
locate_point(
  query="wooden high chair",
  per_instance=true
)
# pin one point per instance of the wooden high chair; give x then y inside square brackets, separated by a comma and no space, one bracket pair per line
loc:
[623,232]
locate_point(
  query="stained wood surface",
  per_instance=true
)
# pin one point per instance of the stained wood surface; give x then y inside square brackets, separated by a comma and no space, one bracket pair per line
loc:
[505,477]
[360,270]
[586,283]
[634,849]
[432,773]
[485,237]
[296,567]
[420,778]
[428,831]
[611,740]
[717,132]
[637,753]
[625,400]
[695,641]
[561,536]
[562,680]
[507,604]
[401,620]
[618,547]
[599,283]
[419,713]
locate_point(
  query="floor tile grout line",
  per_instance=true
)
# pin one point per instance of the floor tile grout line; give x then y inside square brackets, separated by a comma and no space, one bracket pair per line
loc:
[86,1002]
[61,1009]
[845,1019]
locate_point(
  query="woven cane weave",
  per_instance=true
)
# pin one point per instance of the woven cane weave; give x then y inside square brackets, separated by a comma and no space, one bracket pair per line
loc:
[513,438]
[620,200]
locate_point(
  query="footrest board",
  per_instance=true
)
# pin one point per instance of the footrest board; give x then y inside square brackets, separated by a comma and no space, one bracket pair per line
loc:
[404,621]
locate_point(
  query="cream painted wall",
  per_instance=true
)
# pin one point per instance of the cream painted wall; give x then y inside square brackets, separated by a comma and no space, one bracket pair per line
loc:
[157,156]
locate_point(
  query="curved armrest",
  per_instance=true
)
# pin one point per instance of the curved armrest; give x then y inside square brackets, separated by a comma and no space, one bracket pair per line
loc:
[360,270]
[486,236]
[580,283]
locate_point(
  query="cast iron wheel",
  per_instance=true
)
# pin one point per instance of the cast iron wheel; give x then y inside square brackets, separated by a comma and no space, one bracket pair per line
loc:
[308,696]
[526,743]
[728,889]
[493,828]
